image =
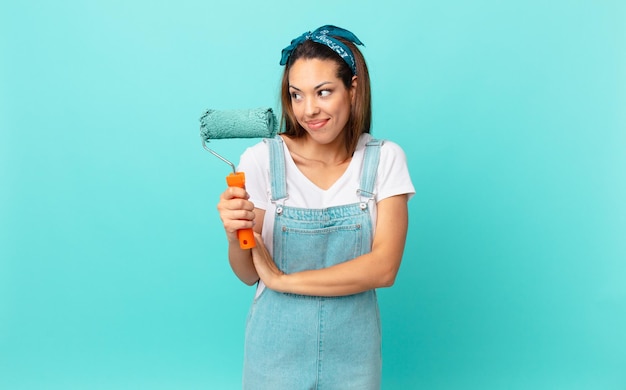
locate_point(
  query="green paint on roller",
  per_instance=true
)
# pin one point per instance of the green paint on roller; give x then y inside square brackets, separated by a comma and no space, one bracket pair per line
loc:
[245,123]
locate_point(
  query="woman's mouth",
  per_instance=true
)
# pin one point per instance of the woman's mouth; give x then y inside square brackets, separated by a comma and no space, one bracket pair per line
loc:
[317,124]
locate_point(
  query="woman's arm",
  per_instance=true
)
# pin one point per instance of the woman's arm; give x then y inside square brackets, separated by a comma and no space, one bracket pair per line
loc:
[372,270]
[237,212]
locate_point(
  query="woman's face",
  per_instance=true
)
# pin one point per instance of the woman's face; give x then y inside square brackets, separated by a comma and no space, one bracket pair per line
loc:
[320,101]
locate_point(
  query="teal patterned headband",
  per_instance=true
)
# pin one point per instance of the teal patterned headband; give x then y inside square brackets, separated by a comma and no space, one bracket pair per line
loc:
[326,35]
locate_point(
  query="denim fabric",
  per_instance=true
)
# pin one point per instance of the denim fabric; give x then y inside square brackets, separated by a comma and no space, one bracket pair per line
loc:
[298,342]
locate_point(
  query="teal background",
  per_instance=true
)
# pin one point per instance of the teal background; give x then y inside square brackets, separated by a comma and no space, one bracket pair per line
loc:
[113,270]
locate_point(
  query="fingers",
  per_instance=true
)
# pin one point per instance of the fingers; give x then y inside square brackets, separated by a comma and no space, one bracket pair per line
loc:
[266,269]
[235,210]
[235,198]
[234,193]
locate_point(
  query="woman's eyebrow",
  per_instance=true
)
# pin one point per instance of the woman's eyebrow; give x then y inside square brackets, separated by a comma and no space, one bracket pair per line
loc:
[316,87]
[322,84]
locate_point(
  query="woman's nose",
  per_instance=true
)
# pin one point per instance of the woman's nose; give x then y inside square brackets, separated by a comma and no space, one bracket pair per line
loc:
[311,108]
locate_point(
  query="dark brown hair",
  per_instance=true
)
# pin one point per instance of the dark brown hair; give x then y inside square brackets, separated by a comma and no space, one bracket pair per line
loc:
[361,108]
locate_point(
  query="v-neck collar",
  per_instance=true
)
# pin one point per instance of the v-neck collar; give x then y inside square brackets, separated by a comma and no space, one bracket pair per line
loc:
[339,182]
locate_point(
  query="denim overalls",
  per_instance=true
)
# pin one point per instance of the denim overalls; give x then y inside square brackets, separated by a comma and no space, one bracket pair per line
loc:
[298,342]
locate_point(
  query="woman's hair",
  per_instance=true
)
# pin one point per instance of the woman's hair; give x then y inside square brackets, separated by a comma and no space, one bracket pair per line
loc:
[361,108]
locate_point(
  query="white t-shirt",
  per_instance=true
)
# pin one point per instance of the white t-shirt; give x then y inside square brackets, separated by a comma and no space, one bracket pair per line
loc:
[392,179]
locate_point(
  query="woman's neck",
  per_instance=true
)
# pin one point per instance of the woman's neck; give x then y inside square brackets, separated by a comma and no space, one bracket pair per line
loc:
[306,150]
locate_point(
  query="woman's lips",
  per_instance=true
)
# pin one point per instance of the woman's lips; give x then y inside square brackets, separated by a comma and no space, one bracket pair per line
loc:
[316,124]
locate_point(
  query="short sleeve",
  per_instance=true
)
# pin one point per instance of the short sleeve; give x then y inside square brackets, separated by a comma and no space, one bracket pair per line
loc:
[255,165]
[393,173]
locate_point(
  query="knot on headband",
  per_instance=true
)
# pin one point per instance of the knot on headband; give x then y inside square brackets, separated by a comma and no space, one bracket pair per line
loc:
[326,35]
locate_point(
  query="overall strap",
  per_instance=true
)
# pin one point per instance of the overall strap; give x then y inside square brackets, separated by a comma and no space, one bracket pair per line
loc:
[369,170]
[277,168]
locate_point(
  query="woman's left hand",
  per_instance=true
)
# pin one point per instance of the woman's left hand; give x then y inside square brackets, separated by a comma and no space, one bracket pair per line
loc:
[265,266]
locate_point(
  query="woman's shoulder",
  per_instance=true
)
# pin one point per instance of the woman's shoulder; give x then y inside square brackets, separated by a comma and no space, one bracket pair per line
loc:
[387,146]
[256,154]
[259,149]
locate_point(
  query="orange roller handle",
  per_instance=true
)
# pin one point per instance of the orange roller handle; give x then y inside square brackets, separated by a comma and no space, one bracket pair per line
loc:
[245,236]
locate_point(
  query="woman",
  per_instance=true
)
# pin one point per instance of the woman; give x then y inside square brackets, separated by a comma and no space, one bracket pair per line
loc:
[328,205]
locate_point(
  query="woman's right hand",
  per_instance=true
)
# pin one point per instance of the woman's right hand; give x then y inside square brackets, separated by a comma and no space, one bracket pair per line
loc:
[236,211]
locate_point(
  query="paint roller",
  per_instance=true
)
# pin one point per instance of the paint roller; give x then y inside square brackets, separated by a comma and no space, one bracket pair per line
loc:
[246,123]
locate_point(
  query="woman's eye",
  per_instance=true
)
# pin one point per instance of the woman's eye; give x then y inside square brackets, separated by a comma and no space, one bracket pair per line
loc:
[295,96]
[325,92]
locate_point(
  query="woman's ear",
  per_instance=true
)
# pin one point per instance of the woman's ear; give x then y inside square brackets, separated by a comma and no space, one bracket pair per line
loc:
[353,88]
